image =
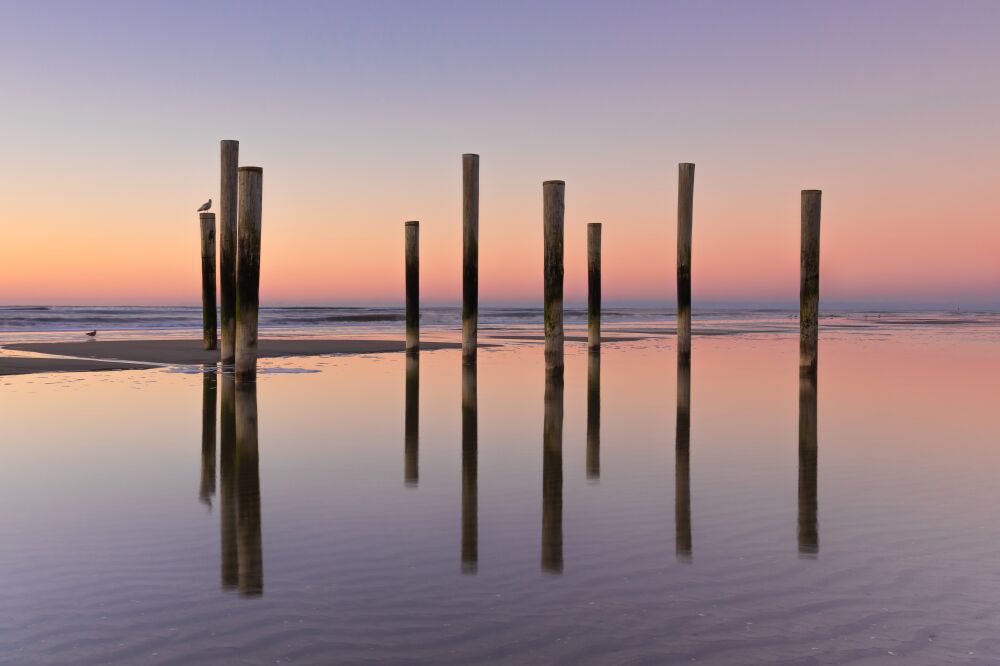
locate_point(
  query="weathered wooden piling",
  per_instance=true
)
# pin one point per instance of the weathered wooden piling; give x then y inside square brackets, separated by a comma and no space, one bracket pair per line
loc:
[682,462]
[593,415]
[208,316]
[412,234]
[685,208]
[809,289]
[470,468]
[411,428]
[250,558]
[227,481]
[209,417]
[553,197]
[808,526]
[470,255]
[594,286]
[552,474]
[228,193]
[248,271]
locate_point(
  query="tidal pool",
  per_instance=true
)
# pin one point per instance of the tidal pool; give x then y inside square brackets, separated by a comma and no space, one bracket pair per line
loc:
[394,510]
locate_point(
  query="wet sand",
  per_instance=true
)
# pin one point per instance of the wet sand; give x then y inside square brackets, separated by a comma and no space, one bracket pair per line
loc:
[26,365]
[568,338]
[180,352]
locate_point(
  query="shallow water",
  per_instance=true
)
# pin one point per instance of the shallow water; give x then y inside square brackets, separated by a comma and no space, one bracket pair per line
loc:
[387,510]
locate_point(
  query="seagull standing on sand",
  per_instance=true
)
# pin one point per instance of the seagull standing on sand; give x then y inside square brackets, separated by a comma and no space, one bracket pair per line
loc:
[205,206]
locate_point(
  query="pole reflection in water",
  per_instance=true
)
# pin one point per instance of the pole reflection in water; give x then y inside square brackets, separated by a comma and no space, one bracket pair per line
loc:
[682,461]
[552,474]
[242,557]
[227,479]
[594,415]
[808,467]
[209,395]
[411,433]
[470,468]
[249,555]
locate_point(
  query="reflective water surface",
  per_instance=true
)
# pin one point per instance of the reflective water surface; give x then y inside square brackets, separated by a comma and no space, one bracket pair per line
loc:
[411,509]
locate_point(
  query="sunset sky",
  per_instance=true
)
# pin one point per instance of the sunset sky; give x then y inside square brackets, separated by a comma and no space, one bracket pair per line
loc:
[111,115]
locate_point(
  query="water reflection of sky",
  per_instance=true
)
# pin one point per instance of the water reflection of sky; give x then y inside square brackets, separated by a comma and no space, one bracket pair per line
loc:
[357,529]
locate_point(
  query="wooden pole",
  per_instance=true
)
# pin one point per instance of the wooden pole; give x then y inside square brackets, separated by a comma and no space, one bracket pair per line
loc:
[249,551]
[593,415]
[594,286]
[412,233]
[227,481]
[208,316]
[228,187]
[682,462]
[470,255]
[552,475]
[470,468]
[553,196]
[411,431]
[248,271]
[808,466]
[685,207]
[809,290]
[209,415]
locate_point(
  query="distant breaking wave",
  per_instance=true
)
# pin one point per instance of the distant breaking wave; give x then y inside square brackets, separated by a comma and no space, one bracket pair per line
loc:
[51,318]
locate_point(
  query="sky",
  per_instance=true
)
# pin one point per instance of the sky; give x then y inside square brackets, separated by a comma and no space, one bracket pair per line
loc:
[111,115]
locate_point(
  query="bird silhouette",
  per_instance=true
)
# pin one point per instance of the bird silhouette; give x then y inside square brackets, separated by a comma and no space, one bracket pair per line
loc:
[205,206]
[92,334]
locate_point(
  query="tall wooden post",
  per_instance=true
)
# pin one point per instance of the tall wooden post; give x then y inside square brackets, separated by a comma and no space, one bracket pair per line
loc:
[248,271]
[552,475]
[594,286]
[470,468]
[809,290]
[411,427]
[470,255]
[682,462]
[685,207]
[412,233]
[593,415]
[228,188]
[553,196]
[208,316]
[808,459]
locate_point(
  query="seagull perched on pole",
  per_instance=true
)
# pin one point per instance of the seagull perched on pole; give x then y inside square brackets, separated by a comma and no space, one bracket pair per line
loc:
[205,206]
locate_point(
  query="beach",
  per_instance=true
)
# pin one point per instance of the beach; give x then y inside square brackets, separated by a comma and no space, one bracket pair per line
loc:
[130,354]
[361,506]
